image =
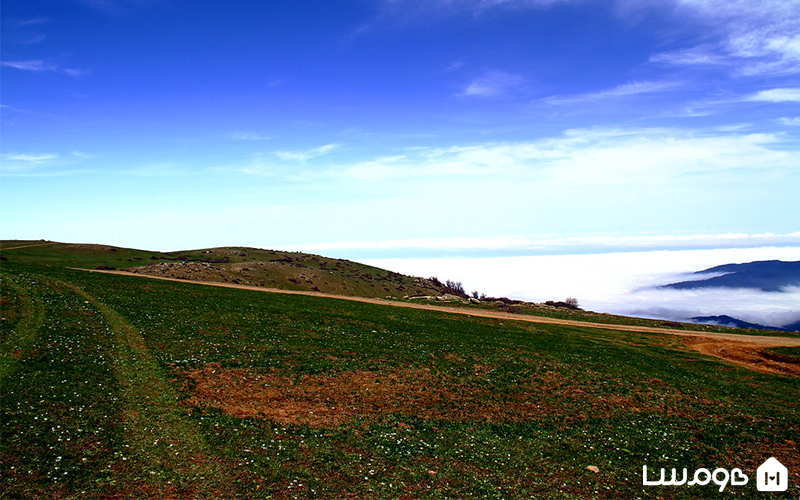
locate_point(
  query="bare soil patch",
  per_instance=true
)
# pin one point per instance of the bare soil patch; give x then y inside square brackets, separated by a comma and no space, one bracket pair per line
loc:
[330,400]
[747,354]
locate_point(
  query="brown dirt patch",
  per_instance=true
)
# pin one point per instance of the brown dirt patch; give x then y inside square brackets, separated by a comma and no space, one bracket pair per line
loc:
[336,398]
[747,354]
[330,399]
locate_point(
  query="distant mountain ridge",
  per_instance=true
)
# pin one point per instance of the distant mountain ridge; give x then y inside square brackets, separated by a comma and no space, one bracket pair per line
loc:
[767,276]
[725,320]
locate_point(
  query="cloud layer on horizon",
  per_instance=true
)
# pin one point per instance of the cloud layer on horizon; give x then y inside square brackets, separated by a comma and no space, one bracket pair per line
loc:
[621,283]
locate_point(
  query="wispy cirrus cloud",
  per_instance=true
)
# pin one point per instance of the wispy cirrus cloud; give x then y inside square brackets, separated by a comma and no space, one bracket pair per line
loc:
[115,7]
[14,164]
[624,90]
[753,37]
[41,66]
[24,31]
[32,21]
[307,154]
[249,136]
[393,12]
[292,166]
[456,7]
[777,95]
[30,158]
[82,156]
[44,164]
[586,158]
[492,83]
[163,169]
[702,55]
[568,244]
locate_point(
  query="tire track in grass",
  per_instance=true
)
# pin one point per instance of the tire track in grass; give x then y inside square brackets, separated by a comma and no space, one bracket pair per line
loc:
[27,329]
[170,449]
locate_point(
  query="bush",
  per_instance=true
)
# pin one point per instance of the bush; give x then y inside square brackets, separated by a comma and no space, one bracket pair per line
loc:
[504,300]
[455,288]
[570,303]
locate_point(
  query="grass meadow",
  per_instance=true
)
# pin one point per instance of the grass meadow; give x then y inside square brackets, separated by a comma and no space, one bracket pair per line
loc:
[126,387]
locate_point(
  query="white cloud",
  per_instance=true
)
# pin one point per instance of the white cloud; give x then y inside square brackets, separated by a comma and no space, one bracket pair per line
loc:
[793,122]
[492,83]
[39,65]
[644,157]
[31,158]
[82,156]
[703,55]
[32,21]
[306,154]
[157,170]
[41,164]
[756,37]
[618,282]
[394,11]
[115,7]
[74,73]
[580,158]
[624,90]
[777,95]
[567,244]
[31,65]
[249,136]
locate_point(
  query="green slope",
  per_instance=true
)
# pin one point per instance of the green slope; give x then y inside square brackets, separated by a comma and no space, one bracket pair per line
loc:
[248,266]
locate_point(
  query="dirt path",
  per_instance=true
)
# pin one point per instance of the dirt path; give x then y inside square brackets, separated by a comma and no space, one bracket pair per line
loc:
[25,246]
[159,434]
[743,350]
[22,338]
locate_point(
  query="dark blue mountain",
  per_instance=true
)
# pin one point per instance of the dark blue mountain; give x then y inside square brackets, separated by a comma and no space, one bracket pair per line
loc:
[766,275]
[726,320]
[792,327]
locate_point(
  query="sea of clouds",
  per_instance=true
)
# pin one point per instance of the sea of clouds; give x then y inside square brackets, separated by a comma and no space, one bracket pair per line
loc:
[619,283]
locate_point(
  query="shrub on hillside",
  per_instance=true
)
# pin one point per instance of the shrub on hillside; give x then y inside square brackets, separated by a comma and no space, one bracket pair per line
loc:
[504,300]
[570,303]
[455,288]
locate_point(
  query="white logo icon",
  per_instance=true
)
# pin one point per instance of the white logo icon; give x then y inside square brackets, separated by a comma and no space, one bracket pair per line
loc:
[772,476]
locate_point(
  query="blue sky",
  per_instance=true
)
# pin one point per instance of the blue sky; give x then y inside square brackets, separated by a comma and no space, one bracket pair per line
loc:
[378,128]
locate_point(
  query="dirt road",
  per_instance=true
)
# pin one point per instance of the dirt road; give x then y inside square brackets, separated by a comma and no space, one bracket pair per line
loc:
[26,246]
[743,350]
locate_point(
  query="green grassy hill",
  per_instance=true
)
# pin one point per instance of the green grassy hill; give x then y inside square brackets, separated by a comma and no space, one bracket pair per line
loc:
[124,387]
[240,265]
